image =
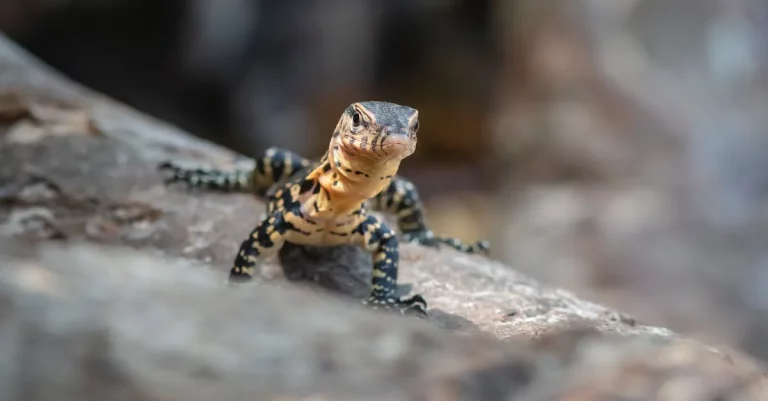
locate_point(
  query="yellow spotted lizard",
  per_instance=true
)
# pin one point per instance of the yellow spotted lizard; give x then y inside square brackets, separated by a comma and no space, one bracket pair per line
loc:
[327,202]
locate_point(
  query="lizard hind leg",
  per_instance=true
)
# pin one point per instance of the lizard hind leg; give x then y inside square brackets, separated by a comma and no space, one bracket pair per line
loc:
[276,165]
[401,199]
[207,178]
[271,167]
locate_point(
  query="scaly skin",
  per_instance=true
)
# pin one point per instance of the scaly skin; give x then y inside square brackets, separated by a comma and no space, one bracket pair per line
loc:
[327,203]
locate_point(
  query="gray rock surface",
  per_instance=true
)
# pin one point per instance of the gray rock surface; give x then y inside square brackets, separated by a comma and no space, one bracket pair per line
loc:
[89,322]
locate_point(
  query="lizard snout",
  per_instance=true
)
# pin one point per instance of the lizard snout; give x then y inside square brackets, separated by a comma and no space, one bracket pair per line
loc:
[397,142]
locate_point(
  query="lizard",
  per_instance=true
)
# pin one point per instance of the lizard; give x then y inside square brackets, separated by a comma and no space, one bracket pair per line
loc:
[327,202]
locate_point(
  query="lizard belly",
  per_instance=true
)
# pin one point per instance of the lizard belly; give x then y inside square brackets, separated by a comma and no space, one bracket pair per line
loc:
[319,230]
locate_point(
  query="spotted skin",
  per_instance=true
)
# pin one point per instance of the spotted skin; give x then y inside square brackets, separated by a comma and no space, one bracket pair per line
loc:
[328,202]
[274,166]
[402,199]
[265,239]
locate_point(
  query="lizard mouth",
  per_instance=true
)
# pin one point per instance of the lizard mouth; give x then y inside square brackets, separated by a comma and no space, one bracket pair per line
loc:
[386,147]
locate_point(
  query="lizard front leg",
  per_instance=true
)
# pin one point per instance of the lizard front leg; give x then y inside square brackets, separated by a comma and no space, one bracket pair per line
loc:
[274,165]
[266,239]
[381,240]
[402,199]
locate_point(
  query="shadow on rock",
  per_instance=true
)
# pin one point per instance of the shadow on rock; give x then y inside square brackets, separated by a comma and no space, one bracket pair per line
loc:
[346,270]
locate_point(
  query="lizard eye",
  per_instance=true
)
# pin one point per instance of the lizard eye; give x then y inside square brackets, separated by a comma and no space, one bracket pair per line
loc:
[356,120]
[416,127]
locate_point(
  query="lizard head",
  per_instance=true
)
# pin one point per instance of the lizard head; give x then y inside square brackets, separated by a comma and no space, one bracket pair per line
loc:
[377,131]
[370,141]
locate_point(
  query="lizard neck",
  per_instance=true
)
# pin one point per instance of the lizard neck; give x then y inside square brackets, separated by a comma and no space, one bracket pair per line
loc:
[348,179]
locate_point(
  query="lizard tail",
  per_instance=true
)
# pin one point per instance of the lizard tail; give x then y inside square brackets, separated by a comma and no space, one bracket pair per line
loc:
[475,247]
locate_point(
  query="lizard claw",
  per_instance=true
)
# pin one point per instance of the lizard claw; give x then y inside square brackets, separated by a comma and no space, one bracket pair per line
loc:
[410,306]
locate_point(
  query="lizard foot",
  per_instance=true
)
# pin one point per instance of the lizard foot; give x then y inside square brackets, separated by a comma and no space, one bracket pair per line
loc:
[238,279]
[412,306]
[170,171]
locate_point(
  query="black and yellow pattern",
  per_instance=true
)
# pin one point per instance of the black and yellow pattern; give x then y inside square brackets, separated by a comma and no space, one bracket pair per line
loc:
[275,165]
[401,199]
[207,178]
[326,203]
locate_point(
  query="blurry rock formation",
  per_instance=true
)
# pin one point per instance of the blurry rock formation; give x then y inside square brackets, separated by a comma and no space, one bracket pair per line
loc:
[635,142]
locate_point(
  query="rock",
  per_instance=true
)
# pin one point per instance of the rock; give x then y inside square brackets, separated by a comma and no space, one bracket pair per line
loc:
[89,321]
[85,322]
[632,165]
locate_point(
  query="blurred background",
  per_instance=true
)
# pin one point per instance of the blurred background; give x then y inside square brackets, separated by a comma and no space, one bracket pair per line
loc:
[616,148]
